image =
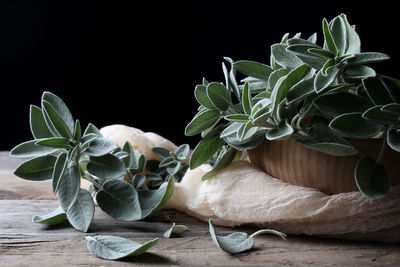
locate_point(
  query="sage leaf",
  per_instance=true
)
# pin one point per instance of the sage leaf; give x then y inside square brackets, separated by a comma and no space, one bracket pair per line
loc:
[119,200]
[55,121]
[243,130]
[59,142]
[253,69]
[339,33]
[275,76]
[368,57]
[353,40]
[114,248]
[393,139]
[30,149]
[200,93]
[202,121]
[37,123]
[246,99]
[283,131]
[81,214]
[36,169]
[219,95]
[238,242]
[371,178]
[182,151]
[352,125]
[69,187]
[300,90]
[100,146]
[329,41]
[161,152]
[77,131]
[284,58]
[358,72]
[152,201]
[237,118]
[322,81]
[393,108]
[58,171]
[107,166]
[375,114]
[301,51]
[323,139]
[251,140]
[174,168]
[91,129]
[392,86]
[321,52]
[228,157]
[170,231]
[376,91]
[55,217]
[337,104]
[61,109]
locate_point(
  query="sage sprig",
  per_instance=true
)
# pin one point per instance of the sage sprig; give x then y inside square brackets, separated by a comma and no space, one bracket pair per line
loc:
[322,95]
[120,178]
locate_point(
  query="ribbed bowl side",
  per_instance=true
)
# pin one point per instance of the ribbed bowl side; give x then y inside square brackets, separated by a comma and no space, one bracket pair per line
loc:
[296,164]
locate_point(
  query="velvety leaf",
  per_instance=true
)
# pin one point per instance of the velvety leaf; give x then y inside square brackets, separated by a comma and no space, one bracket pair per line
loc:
[284,130]
[238,242]
[300,90]
[77,130]
[321,52]
[91,129]
[58,142]
[58,171]
[393,139]
[114,248]
[375,114]
[37,123]
[329,41]
[228,157]
[275,76]
[284,58]
[237,118]
[55,121]
[376,91]
[61,109]
[246,99]
[339,33]
[368,57]
[371,178]
[173,168]
[69,187]
[36,169]
[161,152]
[323,139]
[119,200]
[322,81]
[353,40]
[336,104]
[100,146]
[170,231]
[81,214]
[152,201]
[358,72]
[182,151]
[200,93]
[29,149]
[107,166]
[354,126]
[202,121]
[219,95]
[244,128]
[230,130]
[301,51]
[251,139]
[392,86]
[392,108]
[313,38]
[253,69]
[55,217]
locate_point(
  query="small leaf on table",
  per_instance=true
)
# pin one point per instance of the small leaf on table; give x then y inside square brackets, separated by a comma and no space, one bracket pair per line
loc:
[170,231]
[113,247]
[80,215]
[54,217]
[238,242]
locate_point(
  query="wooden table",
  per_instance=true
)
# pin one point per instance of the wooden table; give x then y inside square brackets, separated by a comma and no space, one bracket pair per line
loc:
[23,243]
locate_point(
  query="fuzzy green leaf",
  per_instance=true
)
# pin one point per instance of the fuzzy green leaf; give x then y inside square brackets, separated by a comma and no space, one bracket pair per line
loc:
[368,57]
[246,99]
[69,187]
[114,248]
[322,81]
[170,231]
[55,217]
[375,114]
[300,90]
[353,40]
[285,58]
[371,178]
[59,142]
[81,214]
[37,123]
[202,121]
[352,125]
[58,171]
[339,33]
[107,166]
[283,131]
[253,69]
[29,149]
[100,146]
[36,169]
[200,93]
[358,72]
[393,139]
[228,157]
[219,95]
[301,51]
[91,129]
[329,41]
[119,200]
[376,91]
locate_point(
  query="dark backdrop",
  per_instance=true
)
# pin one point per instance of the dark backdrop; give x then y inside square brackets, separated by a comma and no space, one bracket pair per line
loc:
[137,64]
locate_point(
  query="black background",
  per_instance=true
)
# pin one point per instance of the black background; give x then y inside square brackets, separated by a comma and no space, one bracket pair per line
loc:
[138,63]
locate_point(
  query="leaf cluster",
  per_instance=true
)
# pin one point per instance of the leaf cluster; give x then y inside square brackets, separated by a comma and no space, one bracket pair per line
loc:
[321,95]
[120,178]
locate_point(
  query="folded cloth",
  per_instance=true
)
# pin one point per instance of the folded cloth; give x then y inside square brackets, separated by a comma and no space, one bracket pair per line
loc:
[243,194]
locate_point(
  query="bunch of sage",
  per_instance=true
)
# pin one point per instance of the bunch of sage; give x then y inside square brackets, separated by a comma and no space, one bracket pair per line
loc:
[61,151]
[321,95]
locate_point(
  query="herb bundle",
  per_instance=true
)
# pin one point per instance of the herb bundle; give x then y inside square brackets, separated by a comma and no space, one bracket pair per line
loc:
[126,186]
[319,95]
